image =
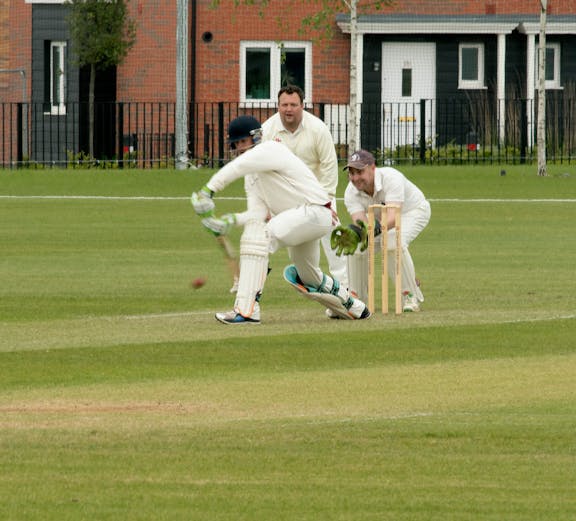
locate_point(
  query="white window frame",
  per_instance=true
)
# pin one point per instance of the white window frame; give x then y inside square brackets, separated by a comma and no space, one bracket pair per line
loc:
[554,83]
[58,106]
[479,82]
[275,58]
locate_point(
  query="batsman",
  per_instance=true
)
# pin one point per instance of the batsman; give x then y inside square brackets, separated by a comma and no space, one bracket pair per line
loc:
[286,207]
[369,185]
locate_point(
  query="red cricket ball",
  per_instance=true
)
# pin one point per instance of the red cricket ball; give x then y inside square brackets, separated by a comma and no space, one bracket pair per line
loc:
[197,283]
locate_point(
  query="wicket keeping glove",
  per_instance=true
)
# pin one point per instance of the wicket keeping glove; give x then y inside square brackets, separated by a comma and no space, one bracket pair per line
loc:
[203,203]
[220,225]
[346,239]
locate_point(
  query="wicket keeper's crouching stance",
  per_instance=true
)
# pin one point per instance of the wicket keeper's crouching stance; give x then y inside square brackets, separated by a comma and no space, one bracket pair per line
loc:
[370,185]
[287,207]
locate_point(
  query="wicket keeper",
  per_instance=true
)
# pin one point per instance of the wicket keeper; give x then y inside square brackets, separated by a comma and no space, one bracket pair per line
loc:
[370,185]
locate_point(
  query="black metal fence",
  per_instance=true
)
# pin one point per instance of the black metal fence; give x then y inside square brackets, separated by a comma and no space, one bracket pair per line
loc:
[142,135]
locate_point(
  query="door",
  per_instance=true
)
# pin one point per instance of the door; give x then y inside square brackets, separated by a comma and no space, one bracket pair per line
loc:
[408,76]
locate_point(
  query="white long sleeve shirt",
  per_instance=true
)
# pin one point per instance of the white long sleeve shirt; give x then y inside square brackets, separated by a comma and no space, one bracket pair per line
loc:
[311,142]
[276,180]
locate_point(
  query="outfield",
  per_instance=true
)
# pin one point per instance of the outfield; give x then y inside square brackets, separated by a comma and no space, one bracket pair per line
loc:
[122,398]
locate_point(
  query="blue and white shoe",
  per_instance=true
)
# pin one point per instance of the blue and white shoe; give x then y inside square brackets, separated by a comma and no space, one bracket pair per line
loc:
[352,309]
[233,317]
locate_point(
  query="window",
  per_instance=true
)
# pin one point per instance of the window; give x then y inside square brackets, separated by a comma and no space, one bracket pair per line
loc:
[552,66]
[267,66]
[55,77]
[407,83]
[471,66]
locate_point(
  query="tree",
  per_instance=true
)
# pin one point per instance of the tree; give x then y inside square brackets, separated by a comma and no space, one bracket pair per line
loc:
[321,23]
[542,171]
[102,34]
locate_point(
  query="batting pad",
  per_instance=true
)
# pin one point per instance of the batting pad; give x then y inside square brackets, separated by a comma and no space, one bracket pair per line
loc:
[254,245]
[327,300]
[358,274]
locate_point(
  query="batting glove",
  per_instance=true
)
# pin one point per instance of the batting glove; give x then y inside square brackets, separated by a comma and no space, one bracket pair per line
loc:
[203,203]
[220,225]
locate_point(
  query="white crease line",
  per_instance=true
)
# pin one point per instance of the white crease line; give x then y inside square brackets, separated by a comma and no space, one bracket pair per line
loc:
[384,417]
[161,315]
[209,312]
[96,197]
[541,319]
[168,198]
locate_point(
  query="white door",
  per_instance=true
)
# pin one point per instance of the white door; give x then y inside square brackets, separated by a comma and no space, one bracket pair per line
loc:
[408,76]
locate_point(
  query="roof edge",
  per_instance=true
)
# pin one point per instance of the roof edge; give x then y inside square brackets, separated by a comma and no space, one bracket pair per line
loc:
[456,24]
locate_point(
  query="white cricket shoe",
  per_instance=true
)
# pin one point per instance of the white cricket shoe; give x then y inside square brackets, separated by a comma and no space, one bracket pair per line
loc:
[358,309]
[233,317]
[409,303]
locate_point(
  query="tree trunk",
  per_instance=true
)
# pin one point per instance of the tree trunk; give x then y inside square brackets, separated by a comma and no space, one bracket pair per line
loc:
[353,123]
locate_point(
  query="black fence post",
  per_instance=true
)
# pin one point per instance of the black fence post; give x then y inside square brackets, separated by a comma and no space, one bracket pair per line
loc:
[120,136]
[220,134]
[422,131]
[19,135]
[523,130]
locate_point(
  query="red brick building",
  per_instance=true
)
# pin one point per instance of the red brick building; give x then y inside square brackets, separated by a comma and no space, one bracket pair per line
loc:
[447,51]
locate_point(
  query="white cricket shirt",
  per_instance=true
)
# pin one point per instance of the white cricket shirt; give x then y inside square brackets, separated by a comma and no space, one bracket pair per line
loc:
[311,142]
[276,179]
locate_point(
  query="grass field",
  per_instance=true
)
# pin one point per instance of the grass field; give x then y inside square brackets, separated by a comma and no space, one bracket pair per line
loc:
[122,398]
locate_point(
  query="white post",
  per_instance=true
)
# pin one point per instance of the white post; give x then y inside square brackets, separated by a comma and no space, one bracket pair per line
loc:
[501,97]
[542,92]
[181,115]
[530,85]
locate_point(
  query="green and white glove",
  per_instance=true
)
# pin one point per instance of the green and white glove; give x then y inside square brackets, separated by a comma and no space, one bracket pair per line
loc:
[203,203]
[346,239]
[220,225]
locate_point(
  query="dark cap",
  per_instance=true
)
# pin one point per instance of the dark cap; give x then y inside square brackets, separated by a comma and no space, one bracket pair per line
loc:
[360,159]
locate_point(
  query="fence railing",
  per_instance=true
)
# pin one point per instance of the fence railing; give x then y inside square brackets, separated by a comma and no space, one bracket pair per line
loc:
[142,135]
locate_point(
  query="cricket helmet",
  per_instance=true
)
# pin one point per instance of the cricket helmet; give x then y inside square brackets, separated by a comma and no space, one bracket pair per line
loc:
[242,127]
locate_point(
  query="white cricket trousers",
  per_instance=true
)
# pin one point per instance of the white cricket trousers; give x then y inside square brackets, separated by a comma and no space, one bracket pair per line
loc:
[413,222]
[300,230]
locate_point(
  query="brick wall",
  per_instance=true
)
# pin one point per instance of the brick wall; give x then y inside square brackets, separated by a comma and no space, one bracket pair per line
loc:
[217,65]
[15,48]
[149,71]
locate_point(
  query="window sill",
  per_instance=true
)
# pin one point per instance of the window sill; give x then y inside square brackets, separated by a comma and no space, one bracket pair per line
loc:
[471,86]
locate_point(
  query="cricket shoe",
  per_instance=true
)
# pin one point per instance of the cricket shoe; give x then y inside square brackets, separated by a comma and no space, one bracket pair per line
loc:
[357,309]
[233,317]
[409,303]
[364,313]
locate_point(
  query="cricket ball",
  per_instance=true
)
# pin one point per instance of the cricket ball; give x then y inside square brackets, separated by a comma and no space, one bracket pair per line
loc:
[197,283]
